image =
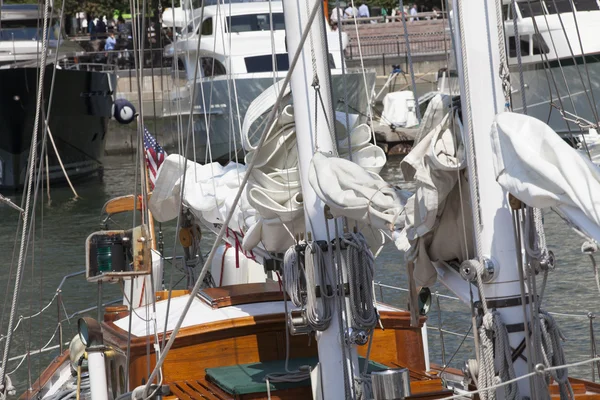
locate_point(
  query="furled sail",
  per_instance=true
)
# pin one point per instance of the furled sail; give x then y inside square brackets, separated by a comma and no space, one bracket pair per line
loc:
[270,212]
[432,224]
[438,224]
[536,166]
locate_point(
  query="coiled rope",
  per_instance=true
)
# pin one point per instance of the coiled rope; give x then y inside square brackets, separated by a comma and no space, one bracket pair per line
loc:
[302,277]
[494,336]
[360,268]
[553,354]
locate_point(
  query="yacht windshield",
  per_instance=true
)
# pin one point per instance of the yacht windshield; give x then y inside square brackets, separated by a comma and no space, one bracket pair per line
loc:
[255,23]
[27,29]
[531,9]
[536,8]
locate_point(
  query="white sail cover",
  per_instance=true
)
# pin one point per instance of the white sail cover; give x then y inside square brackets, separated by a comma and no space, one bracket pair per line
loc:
[270,212]
[209,191]
[438,223]
[351,191]
[536,166]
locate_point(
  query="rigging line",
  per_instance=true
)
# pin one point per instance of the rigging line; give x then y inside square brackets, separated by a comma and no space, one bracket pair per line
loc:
[196,28]
[561,71]
[516,214]
[232,132]
[592,107]
[364,73]
[39,179]
[182,189]
[519,57]
[455,48]
[457,349]
[32,158]
[135,33]
[343,318]
[344,81]
[235,93]
[409,59]
[547,71]
[128,350]
[238,195]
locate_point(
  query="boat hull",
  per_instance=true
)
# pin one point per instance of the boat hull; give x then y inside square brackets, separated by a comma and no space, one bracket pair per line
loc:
[81,108]
[575,91]
[227,103]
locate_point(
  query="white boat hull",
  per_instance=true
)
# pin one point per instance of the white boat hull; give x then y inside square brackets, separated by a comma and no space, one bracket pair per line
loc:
[229,100]
[574,89]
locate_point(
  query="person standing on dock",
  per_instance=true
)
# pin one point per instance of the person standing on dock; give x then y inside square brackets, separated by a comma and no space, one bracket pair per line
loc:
[333,18]
[91,27]
[413,13]
[350,12]
[109,46]
[363,12]
[101,28]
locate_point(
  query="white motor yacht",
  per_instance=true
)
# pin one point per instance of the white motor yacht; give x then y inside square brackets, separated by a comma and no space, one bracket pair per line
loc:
[560,54]
[242,52]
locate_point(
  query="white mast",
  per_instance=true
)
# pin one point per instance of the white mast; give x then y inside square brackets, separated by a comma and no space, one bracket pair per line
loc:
[482,98]
[333,352]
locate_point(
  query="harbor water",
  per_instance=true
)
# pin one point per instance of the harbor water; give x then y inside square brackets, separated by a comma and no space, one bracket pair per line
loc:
[57,249]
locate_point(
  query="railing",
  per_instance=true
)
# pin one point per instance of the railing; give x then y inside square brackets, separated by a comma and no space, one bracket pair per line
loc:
[396,45]
[588,318]
[423,16]
[117,60]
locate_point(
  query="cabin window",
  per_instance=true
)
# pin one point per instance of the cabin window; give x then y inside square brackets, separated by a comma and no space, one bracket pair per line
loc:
[586,5]
[212,67]
[559,6]
[207,27]
[192,27]
[512,47]
[255,23]
[265,63]
[539,44]
[26,29]
[531,9]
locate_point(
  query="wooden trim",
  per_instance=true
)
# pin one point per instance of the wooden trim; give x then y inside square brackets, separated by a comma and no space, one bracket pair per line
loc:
[224,296]
[163,295]
[236,327]
[46,375]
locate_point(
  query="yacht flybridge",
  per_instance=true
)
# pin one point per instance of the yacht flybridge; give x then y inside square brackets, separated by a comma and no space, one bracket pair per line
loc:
[228,54]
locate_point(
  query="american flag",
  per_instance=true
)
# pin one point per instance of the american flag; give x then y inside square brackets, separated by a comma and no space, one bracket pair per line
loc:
[155,155]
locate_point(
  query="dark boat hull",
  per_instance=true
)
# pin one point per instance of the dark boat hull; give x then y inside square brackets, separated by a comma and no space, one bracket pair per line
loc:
[81,108]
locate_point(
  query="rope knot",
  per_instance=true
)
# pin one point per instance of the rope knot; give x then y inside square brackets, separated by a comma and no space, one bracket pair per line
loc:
[488,321]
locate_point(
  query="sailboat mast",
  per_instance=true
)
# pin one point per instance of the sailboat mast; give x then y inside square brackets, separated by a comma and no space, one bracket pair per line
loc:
[478,41]
[314,118]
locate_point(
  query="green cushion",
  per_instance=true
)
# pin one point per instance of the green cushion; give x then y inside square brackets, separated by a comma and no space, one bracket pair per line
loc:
[250,378]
